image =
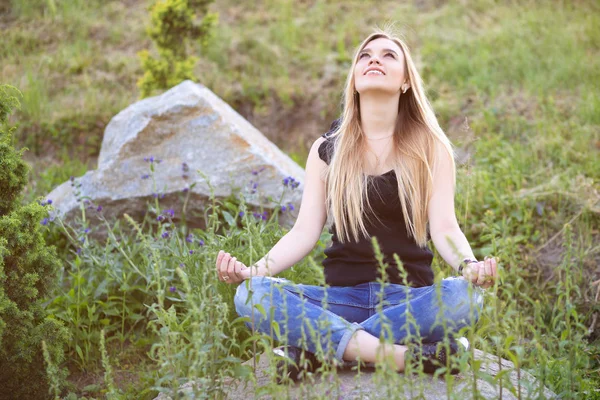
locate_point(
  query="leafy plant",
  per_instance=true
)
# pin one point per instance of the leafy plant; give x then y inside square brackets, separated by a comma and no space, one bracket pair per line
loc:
[172,27]
[28,270]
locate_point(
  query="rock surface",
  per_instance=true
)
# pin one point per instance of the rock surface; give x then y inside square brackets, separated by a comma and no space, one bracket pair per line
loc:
[364,385]
[187,124]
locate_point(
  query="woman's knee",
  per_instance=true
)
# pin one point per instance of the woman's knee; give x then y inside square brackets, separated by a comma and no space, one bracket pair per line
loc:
[464,301]
[243,292]
[257,287]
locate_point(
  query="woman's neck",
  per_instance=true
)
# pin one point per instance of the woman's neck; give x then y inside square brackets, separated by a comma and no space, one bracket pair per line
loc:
[378,114]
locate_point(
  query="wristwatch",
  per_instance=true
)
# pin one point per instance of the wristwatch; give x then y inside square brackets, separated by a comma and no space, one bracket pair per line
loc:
[464,263]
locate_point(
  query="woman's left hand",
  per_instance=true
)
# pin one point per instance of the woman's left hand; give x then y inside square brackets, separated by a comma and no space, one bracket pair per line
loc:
[482,273]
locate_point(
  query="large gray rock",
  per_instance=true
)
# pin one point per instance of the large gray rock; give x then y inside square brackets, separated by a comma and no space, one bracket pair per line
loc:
[187,124]
[347,384]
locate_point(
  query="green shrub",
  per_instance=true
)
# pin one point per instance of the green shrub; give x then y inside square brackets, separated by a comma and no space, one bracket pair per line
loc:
[27,271]
[171,29]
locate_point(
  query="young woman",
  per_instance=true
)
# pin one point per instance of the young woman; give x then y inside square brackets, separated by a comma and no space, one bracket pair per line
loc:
[385,169]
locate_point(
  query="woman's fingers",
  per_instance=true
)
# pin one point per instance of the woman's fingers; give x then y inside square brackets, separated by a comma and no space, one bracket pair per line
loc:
[481,274]
[488,270]
[231,268]
[223,265]
[220,256]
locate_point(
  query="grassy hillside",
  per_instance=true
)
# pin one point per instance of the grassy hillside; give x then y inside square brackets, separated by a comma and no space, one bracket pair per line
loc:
[514,84]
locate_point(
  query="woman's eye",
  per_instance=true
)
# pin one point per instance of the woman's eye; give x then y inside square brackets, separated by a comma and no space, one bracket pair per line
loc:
[387,54]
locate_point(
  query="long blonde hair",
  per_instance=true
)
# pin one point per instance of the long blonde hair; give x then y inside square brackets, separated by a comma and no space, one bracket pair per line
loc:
[416,137]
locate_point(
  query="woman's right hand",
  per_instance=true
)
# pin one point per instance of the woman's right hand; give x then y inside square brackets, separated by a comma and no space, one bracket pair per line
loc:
[230,270]
[482,273]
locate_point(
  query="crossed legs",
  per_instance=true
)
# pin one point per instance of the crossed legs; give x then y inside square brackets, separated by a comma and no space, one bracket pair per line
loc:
[435,309]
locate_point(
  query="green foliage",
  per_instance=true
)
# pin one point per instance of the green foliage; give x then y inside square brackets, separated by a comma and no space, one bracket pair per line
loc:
[27,274]
[172,27]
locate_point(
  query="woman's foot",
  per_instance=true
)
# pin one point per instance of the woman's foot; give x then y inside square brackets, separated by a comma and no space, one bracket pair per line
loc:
[292,365]
[435,356]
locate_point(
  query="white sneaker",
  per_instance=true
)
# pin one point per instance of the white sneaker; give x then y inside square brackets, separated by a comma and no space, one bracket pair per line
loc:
[464,341]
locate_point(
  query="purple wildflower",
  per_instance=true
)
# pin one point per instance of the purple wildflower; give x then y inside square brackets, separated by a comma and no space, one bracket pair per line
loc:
[241,214]
[49,201]
[155,195]
[172,289]
[291,182]
[290,206]
[181,265]
[160,218]
[44,221]
[189,238]
[201,242]
[165,235]
[256,172]
[169,212]
[79,250]
[283,208]
[145,176]
[87,230]
[99,208]
[191,252]
[185,167]
[185,189]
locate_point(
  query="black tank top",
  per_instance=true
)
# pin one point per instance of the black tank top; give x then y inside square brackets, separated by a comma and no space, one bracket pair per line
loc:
[353,263]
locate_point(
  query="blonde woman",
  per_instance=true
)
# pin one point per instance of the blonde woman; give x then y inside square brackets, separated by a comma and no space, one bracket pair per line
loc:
[385,169]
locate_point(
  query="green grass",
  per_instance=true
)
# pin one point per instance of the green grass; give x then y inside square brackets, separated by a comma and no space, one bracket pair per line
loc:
[524,75]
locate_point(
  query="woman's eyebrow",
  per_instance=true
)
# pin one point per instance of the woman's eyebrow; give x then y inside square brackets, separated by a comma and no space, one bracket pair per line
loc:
[369,51]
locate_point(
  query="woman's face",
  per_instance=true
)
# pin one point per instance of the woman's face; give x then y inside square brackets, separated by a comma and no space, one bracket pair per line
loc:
[383,55]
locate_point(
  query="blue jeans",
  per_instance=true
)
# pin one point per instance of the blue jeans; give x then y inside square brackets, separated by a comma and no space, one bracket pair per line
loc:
[311,316]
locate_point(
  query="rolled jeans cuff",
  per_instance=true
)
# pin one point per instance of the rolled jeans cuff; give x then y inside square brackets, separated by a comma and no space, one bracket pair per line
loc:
[355,326]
